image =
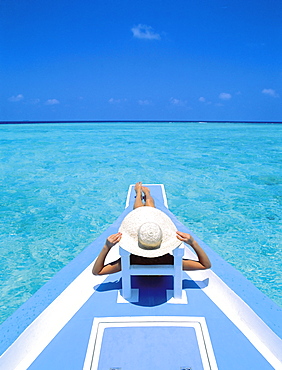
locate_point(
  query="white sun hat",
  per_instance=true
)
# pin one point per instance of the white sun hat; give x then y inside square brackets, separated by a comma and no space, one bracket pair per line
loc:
[148,232]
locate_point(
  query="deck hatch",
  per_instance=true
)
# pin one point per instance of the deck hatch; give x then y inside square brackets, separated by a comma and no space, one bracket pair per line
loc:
[140,343]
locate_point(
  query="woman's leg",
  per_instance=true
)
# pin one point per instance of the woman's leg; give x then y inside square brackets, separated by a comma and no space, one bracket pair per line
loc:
[138,199]
[149,200]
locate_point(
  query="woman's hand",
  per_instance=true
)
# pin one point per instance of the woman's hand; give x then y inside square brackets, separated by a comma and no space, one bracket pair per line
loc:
[113,240]
[99,267]
[203,263]
[184,237]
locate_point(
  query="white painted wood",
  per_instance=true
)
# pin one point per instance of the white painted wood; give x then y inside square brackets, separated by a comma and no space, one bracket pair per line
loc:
[174,270]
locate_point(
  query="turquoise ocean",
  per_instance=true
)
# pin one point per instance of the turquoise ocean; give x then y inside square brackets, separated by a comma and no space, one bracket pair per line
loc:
[62,184]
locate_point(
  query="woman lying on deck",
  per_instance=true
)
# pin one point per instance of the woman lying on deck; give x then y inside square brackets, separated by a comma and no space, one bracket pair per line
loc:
[149,235]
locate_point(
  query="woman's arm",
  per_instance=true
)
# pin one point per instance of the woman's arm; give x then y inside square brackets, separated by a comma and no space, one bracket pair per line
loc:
[99,267]
[203,263]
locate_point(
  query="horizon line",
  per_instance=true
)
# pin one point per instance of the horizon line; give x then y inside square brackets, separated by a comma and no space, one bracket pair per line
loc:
[133,121]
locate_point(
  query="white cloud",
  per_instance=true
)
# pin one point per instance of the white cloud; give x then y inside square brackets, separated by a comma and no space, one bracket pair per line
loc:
[52,102]
[178,102]
[204,100]
[117,101]
[142,31]
[225,96]
[16,98]
[34,101]
[144,102]
[270,92]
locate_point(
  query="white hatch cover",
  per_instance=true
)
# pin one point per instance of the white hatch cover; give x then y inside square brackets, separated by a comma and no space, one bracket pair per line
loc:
[142,343]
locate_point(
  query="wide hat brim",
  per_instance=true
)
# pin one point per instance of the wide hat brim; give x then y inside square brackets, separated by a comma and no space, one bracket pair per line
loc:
[131,224]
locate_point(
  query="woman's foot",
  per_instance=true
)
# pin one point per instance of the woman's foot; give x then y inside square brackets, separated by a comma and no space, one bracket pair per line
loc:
[138,187]
[138,198]
[146,190]
[149,201]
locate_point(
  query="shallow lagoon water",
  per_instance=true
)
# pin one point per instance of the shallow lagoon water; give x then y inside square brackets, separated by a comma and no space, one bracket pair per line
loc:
[63,184]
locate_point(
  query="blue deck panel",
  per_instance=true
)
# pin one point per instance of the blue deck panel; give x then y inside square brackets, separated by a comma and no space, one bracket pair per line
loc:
[178,348]
[67,349]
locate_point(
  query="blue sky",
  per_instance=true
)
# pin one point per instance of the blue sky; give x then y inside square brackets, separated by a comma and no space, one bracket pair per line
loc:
[141,60]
